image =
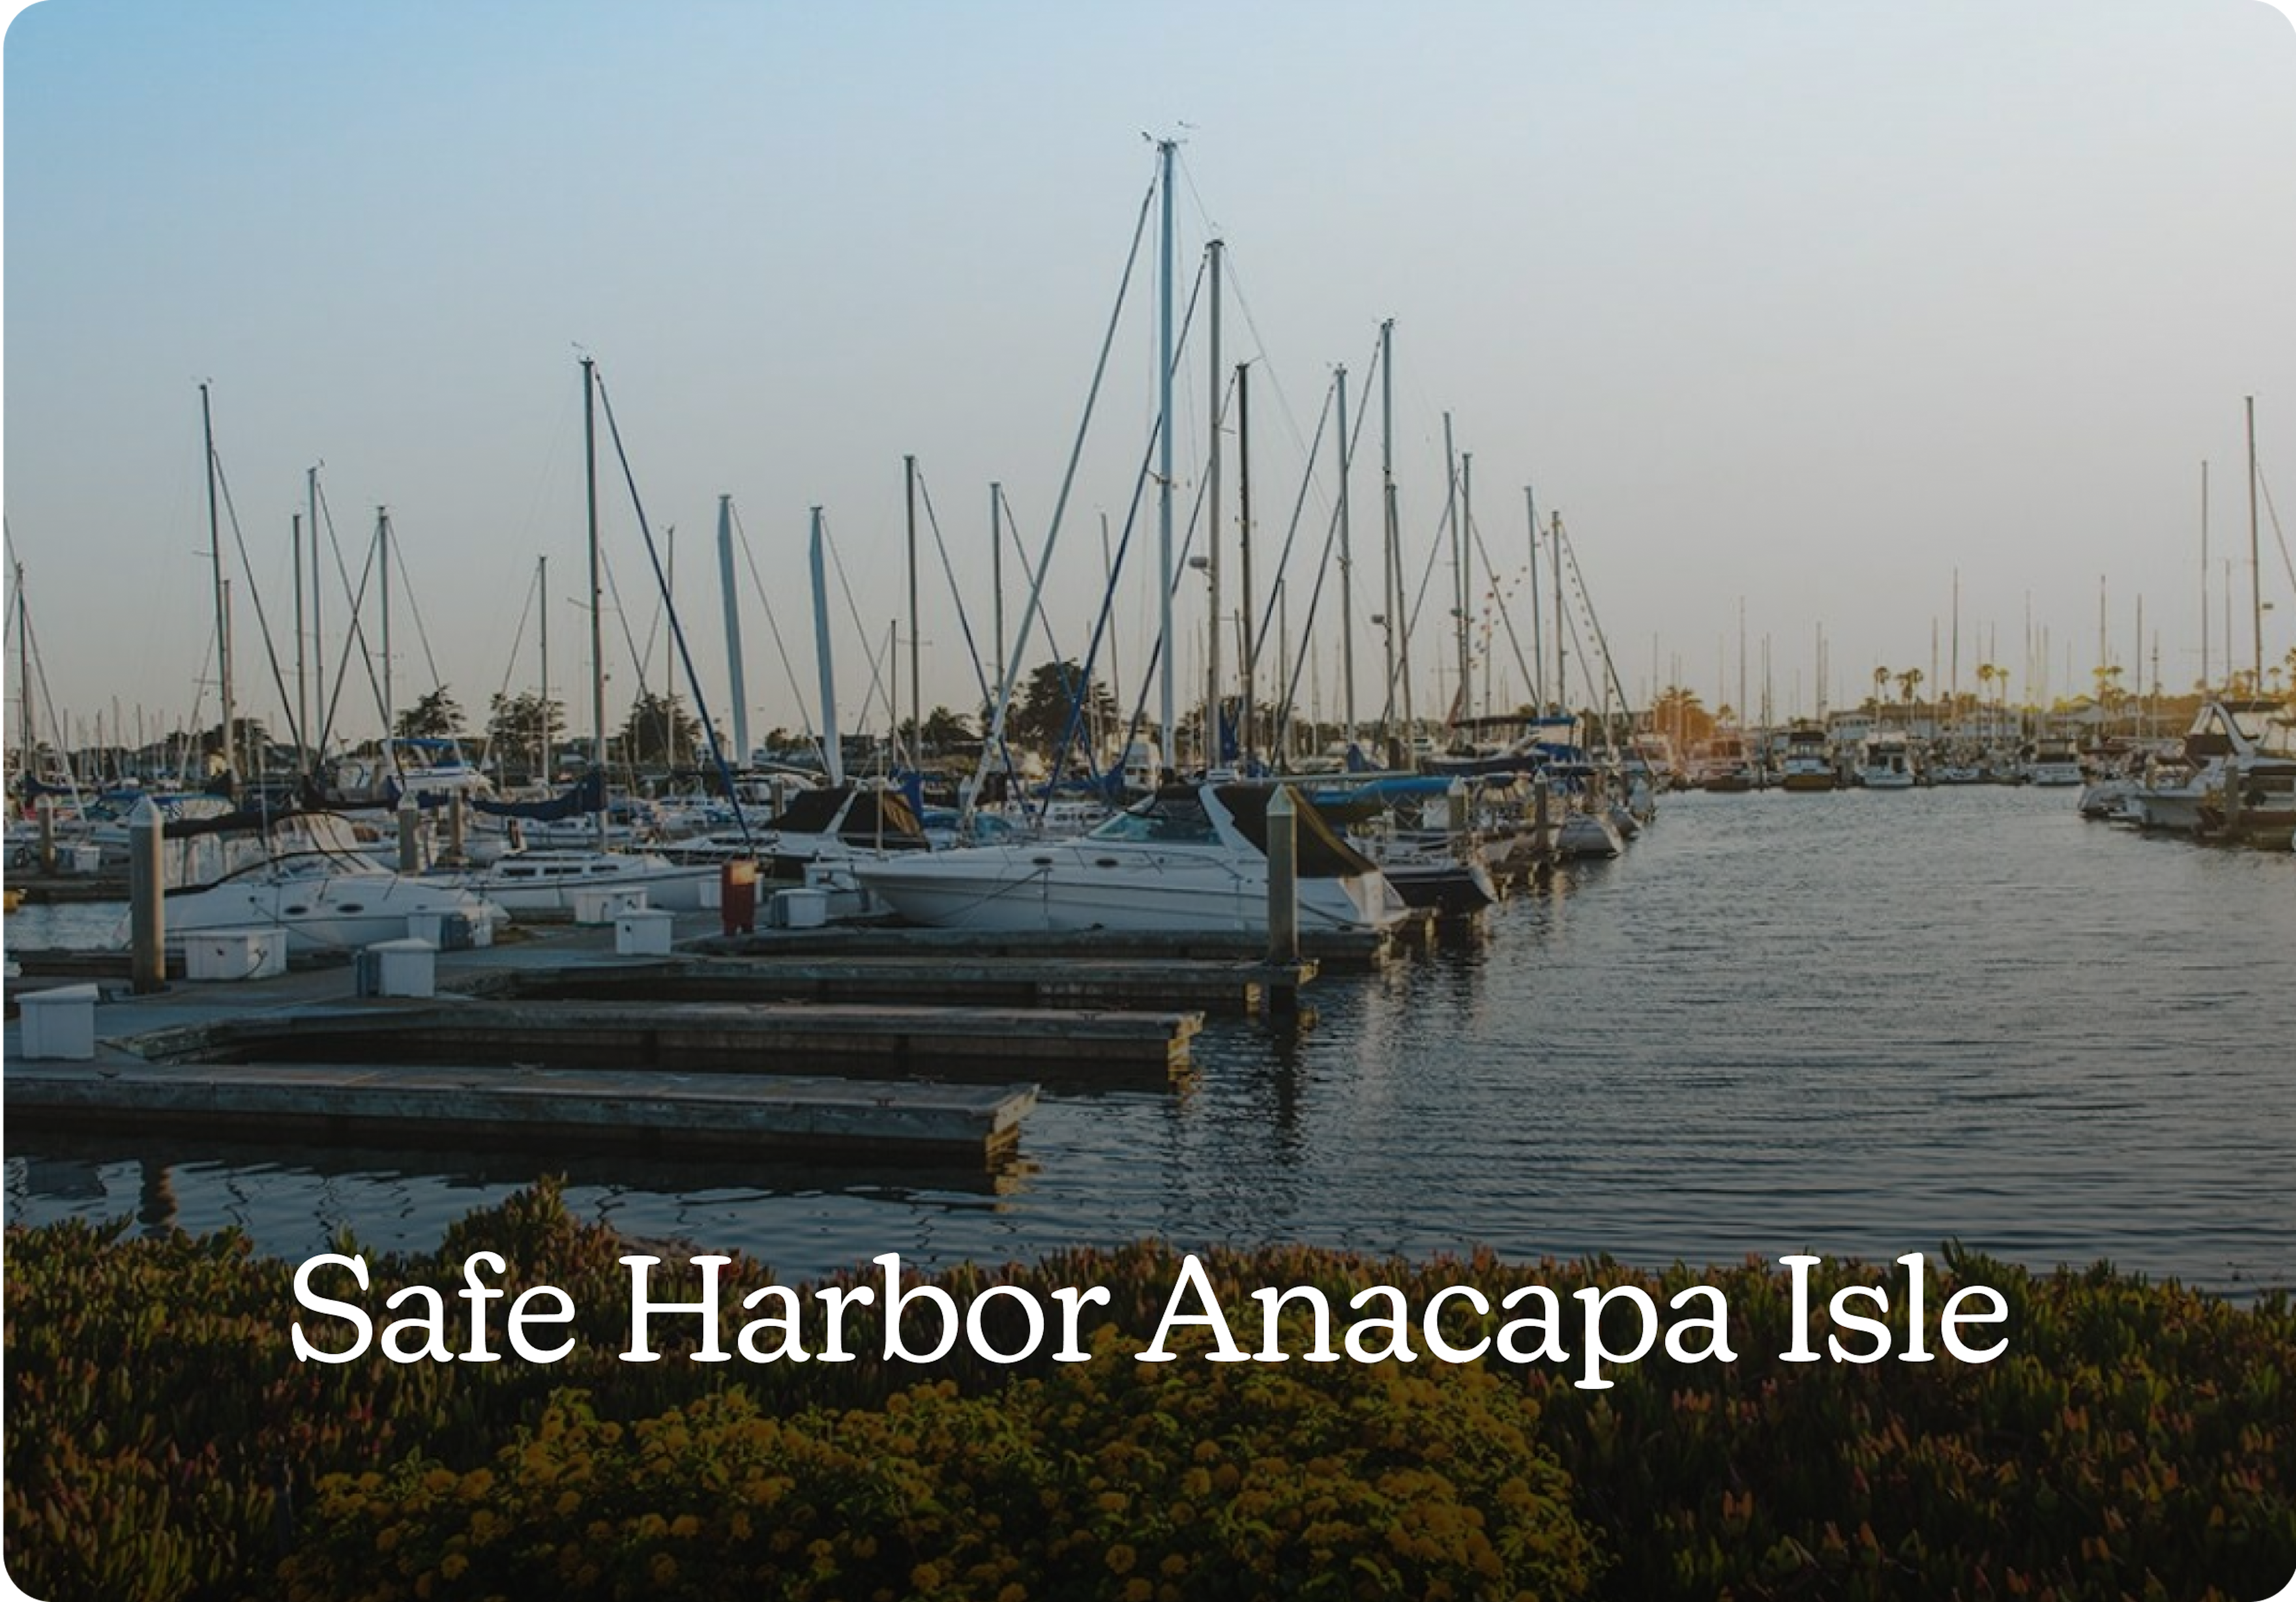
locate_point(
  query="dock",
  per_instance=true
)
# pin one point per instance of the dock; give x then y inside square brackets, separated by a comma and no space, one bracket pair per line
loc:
[1213,985]
[704,1037]
[655,1112]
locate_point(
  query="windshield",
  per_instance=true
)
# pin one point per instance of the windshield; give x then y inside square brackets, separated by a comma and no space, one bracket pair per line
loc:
[1166,819]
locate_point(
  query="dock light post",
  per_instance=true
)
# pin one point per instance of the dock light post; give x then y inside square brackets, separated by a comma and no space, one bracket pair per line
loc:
[147,881]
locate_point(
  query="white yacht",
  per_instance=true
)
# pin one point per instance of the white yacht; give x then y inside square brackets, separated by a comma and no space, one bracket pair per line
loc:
[1808,761]
[302,873]
[1190,858]
[1886,762]
[2056,761]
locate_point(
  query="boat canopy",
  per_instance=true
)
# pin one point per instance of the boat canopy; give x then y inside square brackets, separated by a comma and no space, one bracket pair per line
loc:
[1322,853]
[849,812]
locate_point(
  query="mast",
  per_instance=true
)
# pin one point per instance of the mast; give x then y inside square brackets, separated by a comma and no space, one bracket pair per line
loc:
[832,748]
[996,570]
[1467,582]
[1347,579]
[302,694]
[26,728]
[916,631]
[2204,577]
[734,681]
[1538,645]
[541,586]
[1168,654]
[1555,562]
[222,598]
[1458,568]
[1399,618]
[1390,583]
[1214,378]
[597,590]
[1243,536]
[389,706]
[318,589]
[2255,566]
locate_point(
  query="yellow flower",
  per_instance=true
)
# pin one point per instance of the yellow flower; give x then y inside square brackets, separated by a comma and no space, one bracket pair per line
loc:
[684,1526]
[453,1566]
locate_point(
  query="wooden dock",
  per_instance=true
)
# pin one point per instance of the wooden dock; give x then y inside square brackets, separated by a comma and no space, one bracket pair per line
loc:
[1215,987]
[714,1037]
[1335,950]
[559,1110]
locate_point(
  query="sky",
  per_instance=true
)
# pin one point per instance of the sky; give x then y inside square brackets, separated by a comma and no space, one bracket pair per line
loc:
[1794,312]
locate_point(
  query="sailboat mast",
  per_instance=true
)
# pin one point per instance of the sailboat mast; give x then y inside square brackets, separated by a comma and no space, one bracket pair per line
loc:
[1555,560]
[302,686]
[1400,611]
[318,589]
[542,709]
[832,746]
[597,590]
[996,576]
[2255,563]
[382,549]
[2204,577]
[734,681]
[1347,578]
[1467,582]
[1389,577]
[1215,376]
[1244,542]
[916,631]
[26,731]
[1537,624]
[222,597]
[1168,649]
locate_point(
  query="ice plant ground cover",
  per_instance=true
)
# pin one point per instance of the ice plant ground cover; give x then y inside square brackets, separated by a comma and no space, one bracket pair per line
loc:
[163,1441]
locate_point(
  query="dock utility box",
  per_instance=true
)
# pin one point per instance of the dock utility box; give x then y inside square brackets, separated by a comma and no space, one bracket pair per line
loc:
[647,932]
[602,905]
[59,1026]
[222,956]
[797,909]
[397,968]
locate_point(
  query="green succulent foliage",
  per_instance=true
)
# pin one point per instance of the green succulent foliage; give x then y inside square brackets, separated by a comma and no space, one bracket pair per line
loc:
[162,1442]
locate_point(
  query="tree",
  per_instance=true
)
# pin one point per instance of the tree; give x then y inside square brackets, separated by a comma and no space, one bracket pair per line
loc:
[659,730]
[435,716]
[1909,683]
[944,728]
[1048,703]
[522,725]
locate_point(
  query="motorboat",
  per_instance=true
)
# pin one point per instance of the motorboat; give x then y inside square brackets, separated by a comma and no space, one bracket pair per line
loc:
[1886,762]
[1808,764]
[1192,857]
[2056,761]
[302,873]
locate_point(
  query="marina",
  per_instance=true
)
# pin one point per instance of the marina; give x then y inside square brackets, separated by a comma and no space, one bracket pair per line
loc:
[1645,1055]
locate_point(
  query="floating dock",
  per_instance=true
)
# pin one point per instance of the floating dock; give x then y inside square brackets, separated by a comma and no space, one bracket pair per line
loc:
[653,1112]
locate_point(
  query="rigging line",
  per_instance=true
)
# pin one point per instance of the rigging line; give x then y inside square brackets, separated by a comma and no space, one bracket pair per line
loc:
[399,551]
[789,669]
[868,645]
[1578,581]
[1331,537]
[2273,512]
[971,649]
[622,617]
[1101,624]
[1498,601]
[1059,510]
[1029,570]
[1274,377]
[677,631]
[1298,506]
[501,702]
[255,593]
[357,633]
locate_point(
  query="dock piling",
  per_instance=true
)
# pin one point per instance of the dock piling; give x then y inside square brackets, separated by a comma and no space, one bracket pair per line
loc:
[410,834]
[147,880]
[1283,896]
[47,837]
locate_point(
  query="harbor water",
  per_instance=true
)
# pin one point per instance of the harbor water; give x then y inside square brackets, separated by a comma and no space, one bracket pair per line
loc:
[1861,1024]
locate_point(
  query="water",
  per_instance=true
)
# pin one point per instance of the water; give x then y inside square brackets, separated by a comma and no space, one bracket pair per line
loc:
[1859,1024]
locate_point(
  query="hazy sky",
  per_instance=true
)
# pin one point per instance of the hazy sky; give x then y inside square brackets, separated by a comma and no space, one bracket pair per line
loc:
[1810,304]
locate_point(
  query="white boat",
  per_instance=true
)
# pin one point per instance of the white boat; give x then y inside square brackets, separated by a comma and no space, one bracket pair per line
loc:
[1189,858]
[547,880]
[2056,761]
[1886,762]
[1808,761]
[303,873]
